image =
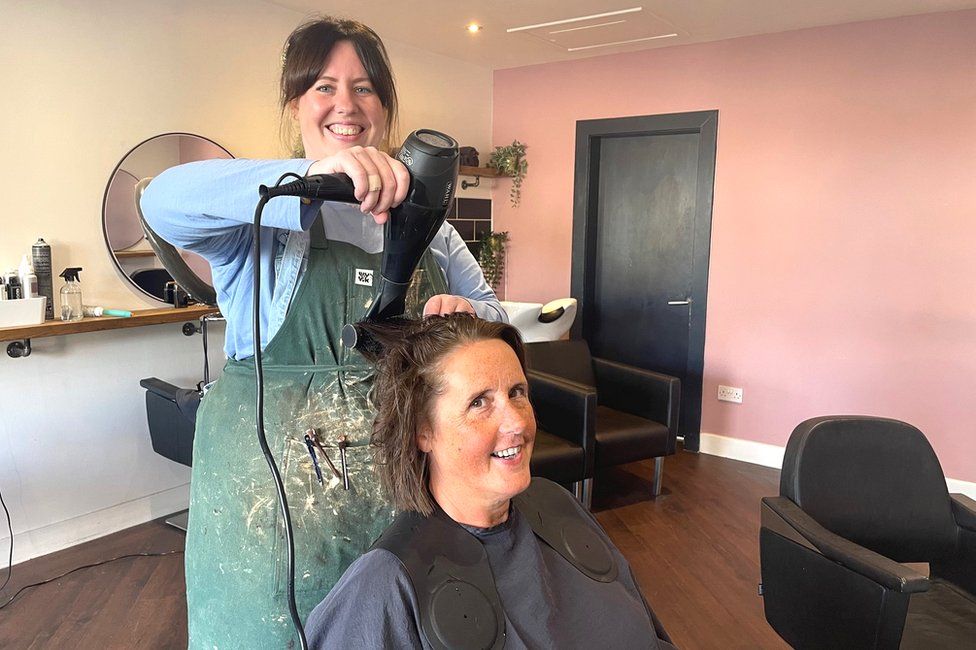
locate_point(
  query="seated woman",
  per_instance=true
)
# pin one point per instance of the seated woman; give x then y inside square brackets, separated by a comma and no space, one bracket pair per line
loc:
[481,555]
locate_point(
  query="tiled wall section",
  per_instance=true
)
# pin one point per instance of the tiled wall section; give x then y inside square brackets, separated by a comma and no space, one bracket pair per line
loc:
[472,219]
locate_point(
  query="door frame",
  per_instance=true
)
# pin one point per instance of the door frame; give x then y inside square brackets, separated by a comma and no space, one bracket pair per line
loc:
[589,133]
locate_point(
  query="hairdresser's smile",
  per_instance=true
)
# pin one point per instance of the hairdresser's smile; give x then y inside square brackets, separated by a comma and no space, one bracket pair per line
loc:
[341,109]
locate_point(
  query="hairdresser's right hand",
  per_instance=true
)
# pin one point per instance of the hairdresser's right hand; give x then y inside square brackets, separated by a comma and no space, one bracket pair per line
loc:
[369,167]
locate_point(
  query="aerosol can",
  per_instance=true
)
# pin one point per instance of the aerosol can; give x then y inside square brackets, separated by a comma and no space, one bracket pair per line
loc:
[71,305]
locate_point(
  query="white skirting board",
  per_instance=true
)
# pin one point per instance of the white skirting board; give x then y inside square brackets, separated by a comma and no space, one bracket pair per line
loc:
[55,537]
[760,453]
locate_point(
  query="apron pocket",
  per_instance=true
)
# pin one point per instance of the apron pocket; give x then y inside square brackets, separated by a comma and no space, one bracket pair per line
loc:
[332,526]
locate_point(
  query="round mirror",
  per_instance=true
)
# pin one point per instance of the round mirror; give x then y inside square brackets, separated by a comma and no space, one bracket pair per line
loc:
[124,235]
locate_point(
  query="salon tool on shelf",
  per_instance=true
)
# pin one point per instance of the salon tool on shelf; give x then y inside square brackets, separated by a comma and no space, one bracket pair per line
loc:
[97,312]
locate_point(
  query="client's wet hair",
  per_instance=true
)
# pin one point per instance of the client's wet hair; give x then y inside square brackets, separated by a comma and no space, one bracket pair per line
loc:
[408,378]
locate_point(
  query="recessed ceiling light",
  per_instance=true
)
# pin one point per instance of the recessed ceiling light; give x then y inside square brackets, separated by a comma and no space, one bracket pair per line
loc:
[576,29]
[574,20]
[633,40]
[474,28]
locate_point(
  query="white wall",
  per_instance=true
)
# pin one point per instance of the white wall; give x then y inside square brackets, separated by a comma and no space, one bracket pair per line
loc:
[81,84]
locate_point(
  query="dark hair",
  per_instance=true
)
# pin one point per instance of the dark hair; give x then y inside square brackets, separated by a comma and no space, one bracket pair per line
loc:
[407,380]
[309,46]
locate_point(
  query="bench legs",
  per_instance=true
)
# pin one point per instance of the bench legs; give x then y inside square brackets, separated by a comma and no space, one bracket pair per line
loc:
[586,496]
[583,490]
[658,474]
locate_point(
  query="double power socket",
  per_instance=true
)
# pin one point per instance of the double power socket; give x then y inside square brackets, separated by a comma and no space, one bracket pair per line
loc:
[730,394]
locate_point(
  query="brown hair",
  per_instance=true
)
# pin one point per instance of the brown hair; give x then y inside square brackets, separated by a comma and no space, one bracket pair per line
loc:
[407,381]
[305,53]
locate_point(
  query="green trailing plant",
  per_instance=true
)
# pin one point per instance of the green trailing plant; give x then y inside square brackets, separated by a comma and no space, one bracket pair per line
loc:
[511,161]
[491,256]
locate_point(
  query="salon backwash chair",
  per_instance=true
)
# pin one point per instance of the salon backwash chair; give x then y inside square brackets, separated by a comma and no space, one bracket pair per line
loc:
[537,322]
[636,416]
[859,496]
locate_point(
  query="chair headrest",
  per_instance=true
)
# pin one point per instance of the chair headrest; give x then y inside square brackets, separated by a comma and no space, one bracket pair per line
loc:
[569,359]
[874,481]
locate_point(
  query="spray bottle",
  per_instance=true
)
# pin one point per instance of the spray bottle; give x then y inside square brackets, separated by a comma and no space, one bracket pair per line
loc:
[71,306]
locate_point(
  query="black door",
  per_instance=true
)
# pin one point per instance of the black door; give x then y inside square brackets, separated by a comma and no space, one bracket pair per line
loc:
[641,228]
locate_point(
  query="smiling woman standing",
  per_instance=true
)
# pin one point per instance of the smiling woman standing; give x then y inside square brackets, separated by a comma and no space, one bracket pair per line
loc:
[337,87]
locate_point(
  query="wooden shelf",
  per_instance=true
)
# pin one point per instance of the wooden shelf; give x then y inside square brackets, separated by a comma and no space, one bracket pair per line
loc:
[487,172]
[144,253]
[140,318]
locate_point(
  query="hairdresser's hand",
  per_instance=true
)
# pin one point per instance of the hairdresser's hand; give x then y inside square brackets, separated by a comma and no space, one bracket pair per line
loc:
[381,182]
[443,304]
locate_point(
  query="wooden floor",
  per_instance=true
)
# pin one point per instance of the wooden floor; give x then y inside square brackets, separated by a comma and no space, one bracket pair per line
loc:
[694,550]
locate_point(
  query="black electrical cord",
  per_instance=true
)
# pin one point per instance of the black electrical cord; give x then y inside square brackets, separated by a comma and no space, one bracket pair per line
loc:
[10,557]
[259,414]
[10,561]
[86,566]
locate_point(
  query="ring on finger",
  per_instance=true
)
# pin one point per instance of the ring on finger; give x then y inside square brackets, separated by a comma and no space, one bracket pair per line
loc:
[375,183]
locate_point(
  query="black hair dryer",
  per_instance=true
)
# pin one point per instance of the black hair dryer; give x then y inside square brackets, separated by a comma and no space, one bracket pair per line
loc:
[432,159]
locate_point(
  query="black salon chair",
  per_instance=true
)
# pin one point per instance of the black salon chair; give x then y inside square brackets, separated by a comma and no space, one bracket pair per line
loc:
[858,497]
[637,410]
[172,415]
[566,423]
[152,281]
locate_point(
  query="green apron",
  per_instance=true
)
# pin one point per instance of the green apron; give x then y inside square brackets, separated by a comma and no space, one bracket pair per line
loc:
[236,564]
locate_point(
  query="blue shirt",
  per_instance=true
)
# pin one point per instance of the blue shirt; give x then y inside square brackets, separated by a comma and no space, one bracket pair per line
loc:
[207,207]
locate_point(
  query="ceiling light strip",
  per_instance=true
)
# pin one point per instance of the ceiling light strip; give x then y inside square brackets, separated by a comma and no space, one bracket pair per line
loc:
[575,20]
[576,29]
[633,40]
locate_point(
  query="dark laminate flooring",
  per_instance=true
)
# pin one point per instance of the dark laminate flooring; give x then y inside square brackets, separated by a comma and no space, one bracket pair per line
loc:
[694,550]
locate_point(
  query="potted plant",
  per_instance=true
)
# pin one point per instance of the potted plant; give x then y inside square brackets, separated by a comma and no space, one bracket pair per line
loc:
[491,256]
[511,161]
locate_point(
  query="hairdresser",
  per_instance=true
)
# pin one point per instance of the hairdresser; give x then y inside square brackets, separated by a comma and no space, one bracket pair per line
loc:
[481,555]
[316,276]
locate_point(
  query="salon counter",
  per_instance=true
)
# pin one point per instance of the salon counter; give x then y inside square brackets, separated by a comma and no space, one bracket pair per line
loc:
[139,318]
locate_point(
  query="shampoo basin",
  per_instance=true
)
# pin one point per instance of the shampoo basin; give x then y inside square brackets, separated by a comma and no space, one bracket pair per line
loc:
[537,322]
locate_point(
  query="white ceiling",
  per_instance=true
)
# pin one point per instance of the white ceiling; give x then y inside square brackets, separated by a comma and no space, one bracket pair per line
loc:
[439,25]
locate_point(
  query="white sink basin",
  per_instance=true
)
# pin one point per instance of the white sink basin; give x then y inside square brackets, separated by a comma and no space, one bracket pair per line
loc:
[537,322]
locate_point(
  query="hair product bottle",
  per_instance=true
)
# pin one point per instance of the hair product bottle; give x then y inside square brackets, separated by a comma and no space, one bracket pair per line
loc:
[27,278]
[41,256]
[71,306]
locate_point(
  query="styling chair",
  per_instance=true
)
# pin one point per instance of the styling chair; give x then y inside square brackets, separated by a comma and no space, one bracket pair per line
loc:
[859,496]
[564,438]
[636,416]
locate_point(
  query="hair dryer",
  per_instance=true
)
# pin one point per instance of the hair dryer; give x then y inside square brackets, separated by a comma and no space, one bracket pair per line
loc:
[432,160]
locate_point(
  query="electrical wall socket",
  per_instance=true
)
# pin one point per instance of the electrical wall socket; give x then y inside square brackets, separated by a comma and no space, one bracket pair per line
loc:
[730,394]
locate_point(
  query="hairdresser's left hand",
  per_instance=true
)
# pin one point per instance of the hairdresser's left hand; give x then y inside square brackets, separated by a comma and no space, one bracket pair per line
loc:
[443,304]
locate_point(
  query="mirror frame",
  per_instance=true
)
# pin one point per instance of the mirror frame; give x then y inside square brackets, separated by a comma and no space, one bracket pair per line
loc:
[108,185]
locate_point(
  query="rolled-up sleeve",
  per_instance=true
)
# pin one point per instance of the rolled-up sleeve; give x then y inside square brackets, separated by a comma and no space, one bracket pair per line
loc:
[464,275]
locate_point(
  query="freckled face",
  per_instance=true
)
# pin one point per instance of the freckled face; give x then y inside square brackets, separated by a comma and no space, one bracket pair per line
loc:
[482,427]
[341,109]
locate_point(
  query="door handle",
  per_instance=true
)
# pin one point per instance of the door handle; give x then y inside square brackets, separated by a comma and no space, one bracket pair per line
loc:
[680,302]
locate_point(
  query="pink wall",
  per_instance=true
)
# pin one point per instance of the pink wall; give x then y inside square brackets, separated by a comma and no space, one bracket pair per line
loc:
[843,256]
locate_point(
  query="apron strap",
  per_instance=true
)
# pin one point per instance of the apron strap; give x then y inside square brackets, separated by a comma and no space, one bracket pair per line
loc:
[316,233]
